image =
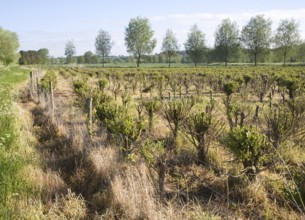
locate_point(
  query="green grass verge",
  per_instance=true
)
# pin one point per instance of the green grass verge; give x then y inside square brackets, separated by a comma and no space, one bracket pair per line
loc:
[12,157]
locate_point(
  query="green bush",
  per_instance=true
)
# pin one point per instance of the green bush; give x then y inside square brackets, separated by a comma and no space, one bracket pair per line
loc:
[45,81]
[250,147]
[230,87]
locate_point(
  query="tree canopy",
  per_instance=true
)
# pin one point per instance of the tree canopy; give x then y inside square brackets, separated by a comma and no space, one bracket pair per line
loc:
[9,44]
[170,45]
[139,38]
[256,35]
[226,40]
[287,35]
[30,57]
[195,44]
[70,51]
[103,44]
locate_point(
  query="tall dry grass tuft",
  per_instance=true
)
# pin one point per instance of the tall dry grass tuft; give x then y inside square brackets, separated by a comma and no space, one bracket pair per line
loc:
[104,161]
[69,207]
[49,184]
[134,195]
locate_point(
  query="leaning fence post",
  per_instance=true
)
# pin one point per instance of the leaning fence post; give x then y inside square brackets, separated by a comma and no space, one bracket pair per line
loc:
[31,84]
[52,99]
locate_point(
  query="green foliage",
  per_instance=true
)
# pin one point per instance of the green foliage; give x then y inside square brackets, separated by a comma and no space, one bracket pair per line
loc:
[256,35]
[103,44]
[176,113]
[226,40]
[45,81]
[195,45]
[102,83]
[33,57]
[13,75]
[287,35]
[152,152]
[12,154]
[152,107]
[201,128]
[109,111]
[127,128]
[292,83]
[281,124]
[101,98]
[230,87]
[249,146]
[138,38]
[69,51]
[169,45]
[9,44]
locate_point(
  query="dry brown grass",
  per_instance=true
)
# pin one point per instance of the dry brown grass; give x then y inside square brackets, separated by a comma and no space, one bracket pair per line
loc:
[104,161]
[49,183]
[134,194]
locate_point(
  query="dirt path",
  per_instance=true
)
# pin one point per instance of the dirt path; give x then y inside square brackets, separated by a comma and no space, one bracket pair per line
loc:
[62,142]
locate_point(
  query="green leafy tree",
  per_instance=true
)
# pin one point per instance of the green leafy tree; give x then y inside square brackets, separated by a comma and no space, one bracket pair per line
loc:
[152,107]
[229,88]
[88,56]
[300,51]
[250,147]
[127,128]
[201,128]
[69,51]
[226,40]
[256,35]
[195,44]
[176,113]
[103,44]
[34,57]
[170,45]
[287,35]
[139,38]
[9,44]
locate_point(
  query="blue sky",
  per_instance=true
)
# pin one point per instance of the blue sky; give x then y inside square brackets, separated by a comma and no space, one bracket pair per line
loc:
[51,23]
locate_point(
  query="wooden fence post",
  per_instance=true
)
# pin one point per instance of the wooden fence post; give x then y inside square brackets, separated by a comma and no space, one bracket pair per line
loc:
[37,87]
[31,84]
[52,99]
[90,112]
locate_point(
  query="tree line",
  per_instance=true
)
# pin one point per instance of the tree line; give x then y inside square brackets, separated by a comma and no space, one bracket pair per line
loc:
[256,39]
[253,43]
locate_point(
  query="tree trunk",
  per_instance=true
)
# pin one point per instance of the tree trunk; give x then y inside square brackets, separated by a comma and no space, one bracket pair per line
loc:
[201,153]
[250,170]
[103,61]
[150,121]
[138,60]
[255,59]
[226,56]
[169,61]
[175,135]
[285,53]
